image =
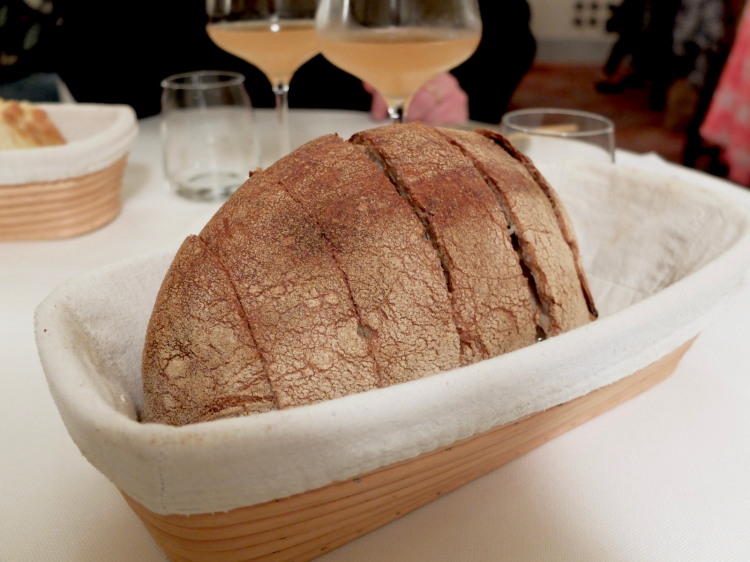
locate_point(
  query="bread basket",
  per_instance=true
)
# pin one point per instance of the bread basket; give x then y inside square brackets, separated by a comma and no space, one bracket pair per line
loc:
[294,484]
[67,190]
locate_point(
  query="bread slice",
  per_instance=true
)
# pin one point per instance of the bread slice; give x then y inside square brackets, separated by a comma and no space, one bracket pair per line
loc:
[24,126]
[534,229]
[294,295]
[490,295]
[563,219]
[200,362]
[392,271]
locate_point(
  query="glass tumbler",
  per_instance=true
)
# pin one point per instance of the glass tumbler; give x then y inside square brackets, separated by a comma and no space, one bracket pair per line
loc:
[209,139]
[554,134]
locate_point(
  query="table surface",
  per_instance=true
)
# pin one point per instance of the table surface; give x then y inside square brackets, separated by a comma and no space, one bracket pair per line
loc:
[663,477]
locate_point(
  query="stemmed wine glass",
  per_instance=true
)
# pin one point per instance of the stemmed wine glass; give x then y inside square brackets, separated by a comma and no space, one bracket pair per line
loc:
[277,36]
[398,45]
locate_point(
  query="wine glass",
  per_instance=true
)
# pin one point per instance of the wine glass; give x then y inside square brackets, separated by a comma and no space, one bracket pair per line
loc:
[398,45]
[276,36]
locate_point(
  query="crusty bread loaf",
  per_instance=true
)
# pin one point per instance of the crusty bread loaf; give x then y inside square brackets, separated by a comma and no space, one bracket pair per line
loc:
[347,266]
[24,126]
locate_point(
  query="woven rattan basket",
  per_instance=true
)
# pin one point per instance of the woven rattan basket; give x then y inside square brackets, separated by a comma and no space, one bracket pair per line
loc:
[307,525]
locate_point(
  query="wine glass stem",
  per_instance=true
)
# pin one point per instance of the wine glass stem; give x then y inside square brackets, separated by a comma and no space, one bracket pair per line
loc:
[396,113]
[282,117]
[397,108]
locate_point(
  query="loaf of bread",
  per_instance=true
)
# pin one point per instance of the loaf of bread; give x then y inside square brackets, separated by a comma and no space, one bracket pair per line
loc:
[346,266]
[23,125]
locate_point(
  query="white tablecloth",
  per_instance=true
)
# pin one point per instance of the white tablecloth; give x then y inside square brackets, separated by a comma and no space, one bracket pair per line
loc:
[663,477]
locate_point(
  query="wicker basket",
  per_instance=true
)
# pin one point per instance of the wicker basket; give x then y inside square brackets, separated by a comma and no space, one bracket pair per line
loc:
[308,525]
[60,209]
[67,190]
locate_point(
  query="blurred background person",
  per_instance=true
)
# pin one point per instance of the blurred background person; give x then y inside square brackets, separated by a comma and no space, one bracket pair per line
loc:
[727,123]
[29,37]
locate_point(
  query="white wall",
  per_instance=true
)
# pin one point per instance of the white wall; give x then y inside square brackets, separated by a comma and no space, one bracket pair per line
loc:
[555,19]
[560,39]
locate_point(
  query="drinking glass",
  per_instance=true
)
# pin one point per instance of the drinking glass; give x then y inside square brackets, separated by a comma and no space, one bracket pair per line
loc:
[276,36]
[398,45]
[552,134]
[208,137]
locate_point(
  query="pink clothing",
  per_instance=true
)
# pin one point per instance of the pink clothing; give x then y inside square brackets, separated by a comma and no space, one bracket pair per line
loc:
[727,122]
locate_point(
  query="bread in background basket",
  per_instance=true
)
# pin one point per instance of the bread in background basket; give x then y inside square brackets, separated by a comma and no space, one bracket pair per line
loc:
[23,125]
[69,189]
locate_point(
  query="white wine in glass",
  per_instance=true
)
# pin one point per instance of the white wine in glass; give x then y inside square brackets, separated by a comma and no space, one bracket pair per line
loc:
[398,45]
[275,36]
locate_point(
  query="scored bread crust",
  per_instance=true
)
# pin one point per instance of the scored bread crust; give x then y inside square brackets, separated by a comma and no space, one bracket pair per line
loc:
[293,293]
[392,271]
[490,295]
[533,223]
[563,219]
[200,361]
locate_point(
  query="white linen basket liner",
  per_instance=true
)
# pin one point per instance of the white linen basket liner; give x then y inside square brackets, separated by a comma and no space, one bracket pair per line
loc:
[661,256]
[96,135]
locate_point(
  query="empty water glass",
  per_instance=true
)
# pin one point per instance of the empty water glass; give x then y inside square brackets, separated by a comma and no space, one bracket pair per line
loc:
[554,134]
[209,139]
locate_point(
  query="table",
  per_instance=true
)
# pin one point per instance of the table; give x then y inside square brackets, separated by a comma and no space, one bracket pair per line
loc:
[663,477]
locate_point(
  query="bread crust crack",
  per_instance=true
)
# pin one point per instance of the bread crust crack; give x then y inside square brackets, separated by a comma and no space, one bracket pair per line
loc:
[541,246]
[293,293]
[492,309]
[561,215]
[403,309]
[200,361]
